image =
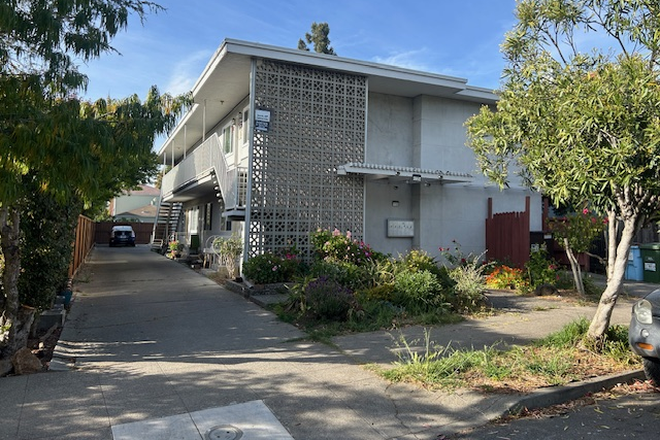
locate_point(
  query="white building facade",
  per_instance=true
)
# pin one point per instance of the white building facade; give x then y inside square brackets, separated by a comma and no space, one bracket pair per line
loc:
[281,142]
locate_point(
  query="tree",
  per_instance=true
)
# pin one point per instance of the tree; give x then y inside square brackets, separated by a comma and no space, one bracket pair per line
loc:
[582,127]
[576,233]
[52,141]
[47,237]
[319,38]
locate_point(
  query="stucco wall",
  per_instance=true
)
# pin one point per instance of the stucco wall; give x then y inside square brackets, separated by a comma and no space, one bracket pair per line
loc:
[389,130]
[429,132]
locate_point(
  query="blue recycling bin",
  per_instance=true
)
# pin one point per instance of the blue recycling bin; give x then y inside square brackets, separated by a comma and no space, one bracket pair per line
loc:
[635,267]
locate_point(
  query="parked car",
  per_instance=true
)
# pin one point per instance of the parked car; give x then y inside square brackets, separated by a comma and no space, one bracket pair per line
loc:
[644,334]
[122,236]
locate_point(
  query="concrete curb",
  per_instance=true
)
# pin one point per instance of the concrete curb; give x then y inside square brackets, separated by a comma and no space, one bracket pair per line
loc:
[555,396]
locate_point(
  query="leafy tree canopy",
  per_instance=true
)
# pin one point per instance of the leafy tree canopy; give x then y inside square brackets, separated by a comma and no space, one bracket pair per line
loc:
[581,124]
[53,143]
[318,38]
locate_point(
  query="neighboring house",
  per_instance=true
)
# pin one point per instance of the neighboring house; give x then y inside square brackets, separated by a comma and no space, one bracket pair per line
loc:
[136,205]
[281,142]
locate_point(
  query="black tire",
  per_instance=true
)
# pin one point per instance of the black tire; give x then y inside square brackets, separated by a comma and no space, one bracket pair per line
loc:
[652,370]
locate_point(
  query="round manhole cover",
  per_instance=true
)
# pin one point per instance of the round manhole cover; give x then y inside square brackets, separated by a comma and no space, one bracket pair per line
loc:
[224,432]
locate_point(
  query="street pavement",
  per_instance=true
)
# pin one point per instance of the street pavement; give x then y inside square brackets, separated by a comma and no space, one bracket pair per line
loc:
[154,350]
[632,416]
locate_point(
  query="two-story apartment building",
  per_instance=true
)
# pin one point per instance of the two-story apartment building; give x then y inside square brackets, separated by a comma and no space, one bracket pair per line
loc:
[281,142]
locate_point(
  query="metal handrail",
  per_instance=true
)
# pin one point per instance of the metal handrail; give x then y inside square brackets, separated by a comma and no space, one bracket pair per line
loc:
[209,158]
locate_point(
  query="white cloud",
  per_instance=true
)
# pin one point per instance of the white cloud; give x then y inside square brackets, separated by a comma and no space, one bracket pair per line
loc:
[412,59]
[186,71]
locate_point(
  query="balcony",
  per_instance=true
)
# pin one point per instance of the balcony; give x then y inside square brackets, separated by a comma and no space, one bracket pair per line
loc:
[205,171]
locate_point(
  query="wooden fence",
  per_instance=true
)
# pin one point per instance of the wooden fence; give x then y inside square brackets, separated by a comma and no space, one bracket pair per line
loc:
[142,231]
[507,235]
[83,244]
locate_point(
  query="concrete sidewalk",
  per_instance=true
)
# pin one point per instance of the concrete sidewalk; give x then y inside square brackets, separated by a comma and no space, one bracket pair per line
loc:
[153,350]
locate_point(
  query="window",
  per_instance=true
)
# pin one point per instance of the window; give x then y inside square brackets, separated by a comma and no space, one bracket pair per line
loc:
[208,216]
[193,220]
[227,139]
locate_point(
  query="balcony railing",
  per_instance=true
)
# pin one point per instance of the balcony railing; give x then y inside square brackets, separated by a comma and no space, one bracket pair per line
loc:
[206,159]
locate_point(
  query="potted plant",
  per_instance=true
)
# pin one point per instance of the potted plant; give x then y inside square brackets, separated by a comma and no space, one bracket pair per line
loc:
[175,249]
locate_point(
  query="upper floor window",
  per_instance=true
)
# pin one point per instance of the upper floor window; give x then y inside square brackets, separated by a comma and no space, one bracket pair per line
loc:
[227,139]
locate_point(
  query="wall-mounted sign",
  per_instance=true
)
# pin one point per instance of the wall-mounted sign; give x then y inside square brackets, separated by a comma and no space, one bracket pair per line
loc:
[400,228]
[262,120]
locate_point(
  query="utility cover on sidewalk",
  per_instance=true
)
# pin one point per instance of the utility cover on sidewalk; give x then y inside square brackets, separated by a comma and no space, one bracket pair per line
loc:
[224,432]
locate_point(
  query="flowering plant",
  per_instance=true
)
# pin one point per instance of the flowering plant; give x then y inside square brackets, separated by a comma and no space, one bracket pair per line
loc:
[456,257]
[577,231]
[505,277]
[266,268]
[334,245]
[273,268]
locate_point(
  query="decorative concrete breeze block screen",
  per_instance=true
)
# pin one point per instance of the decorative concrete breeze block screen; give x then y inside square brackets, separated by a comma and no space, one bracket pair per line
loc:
[317,123]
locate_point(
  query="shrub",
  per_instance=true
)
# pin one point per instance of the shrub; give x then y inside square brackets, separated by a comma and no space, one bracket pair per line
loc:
[267,268]
[469,290]
[418,260]
[335,246]
[327,299]
[345,273]
[418,291]
[541,269]
[383,292]
[48,232]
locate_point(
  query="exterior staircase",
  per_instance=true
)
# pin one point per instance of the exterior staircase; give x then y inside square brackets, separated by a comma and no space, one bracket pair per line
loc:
[167,222]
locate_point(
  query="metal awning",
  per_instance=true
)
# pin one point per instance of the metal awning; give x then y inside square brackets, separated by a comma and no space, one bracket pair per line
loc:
[404,174]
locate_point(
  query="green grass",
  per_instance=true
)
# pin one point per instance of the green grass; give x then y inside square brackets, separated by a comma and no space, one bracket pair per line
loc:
[554,360]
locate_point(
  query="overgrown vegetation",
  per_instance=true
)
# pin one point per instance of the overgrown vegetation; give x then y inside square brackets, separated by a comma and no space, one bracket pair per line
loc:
[539,271]
[555,360]
[351,287]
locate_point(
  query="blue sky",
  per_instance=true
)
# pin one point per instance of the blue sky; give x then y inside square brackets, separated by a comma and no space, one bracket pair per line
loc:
[452,37]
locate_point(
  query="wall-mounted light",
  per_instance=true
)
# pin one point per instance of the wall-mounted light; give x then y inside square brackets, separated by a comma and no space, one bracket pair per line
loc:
[416,178]
[395,203]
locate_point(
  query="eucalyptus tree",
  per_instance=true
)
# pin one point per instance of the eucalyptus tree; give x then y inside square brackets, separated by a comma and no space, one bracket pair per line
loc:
[52,141]
[581,124]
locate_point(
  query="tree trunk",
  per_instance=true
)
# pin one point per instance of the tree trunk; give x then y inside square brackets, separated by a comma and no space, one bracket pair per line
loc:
[575,268]
[618,260]
[15,322]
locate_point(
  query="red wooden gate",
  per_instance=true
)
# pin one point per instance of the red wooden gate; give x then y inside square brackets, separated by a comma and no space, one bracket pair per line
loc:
[507,235]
